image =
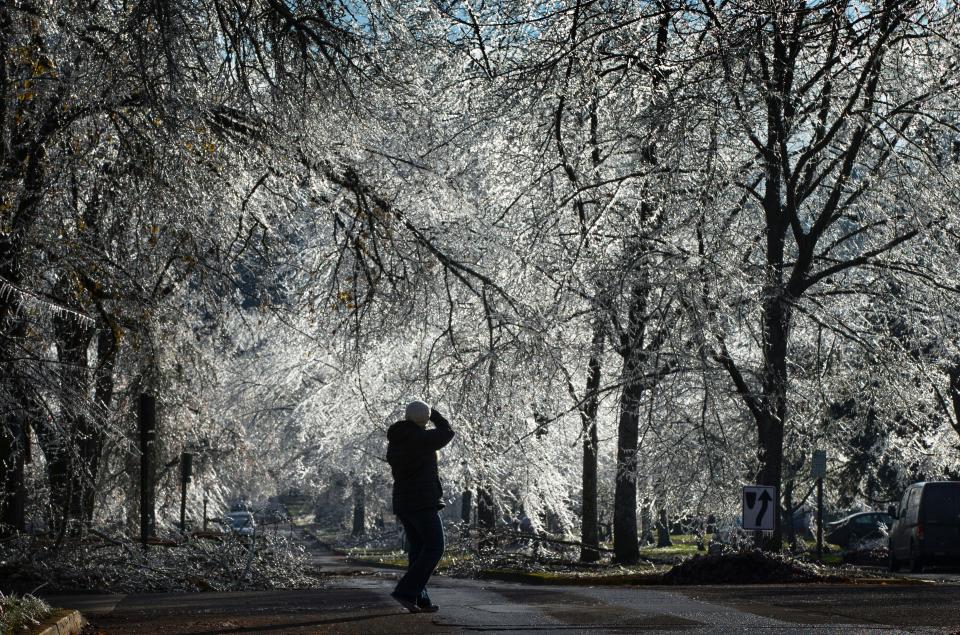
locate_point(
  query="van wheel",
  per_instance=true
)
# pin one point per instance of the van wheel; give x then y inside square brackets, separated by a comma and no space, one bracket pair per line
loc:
[916,562]
[893,563]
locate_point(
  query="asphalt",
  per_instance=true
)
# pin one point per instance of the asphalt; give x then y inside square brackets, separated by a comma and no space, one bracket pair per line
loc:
[362,605]
[356,600]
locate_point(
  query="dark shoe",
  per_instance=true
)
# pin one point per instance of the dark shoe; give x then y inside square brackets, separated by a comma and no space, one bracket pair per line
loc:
[406,603]
[426,606]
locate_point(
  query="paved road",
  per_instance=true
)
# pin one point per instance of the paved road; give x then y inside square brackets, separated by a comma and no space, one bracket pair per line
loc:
[361,605]
[356,601]
[950,576]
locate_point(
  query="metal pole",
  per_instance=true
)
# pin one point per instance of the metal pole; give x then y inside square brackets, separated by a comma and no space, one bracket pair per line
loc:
[204,511]
[146,419]
[819,520]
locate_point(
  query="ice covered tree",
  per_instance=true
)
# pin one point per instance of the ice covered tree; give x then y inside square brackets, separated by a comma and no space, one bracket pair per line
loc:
[820,104]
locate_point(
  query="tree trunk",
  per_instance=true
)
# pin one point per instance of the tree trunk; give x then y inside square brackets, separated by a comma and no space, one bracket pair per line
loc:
[788,513]
[646,522]
[107,347]
[770,424]
[13,440]
[148,424]
[22,180]
[68,447]
[626,545]
[589,536]
[486,517]
[775,326]
[359,510]
[953,373]
[663,529]
[466,503]
[56,449]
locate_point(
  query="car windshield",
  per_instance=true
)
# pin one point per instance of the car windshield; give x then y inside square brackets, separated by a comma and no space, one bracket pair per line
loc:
[941,503]
[239,521]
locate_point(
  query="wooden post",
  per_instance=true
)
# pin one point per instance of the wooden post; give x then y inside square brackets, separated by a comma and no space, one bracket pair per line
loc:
[147,422]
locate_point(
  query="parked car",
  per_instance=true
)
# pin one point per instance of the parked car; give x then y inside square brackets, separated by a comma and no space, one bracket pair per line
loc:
[859,527]
[241,523]
[927,527]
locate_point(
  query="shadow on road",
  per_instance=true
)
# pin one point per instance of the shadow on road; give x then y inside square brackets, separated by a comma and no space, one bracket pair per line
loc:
[291,625]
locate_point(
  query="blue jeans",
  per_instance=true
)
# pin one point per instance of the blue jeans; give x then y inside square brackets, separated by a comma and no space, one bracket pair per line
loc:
[424,550]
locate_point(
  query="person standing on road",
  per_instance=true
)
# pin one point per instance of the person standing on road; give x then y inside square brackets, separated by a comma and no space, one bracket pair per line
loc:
[417,498]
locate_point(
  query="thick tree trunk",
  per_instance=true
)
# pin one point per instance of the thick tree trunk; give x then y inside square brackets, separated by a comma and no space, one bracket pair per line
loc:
[770,425]
[589,535]
[626,544]
[771,415]
[22,176]
[148,424]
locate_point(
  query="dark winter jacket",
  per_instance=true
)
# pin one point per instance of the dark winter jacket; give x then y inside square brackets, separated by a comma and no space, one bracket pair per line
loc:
[412,454]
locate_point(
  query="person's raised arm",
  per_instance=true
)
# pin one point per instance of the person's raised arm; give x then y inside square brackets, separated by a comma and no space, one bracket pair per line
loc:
[439,420]
[435,439]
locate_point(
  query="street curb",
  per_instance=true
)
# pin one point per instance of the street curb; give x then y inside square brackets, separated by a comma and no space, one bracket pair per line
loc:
[629,580]
[62,622]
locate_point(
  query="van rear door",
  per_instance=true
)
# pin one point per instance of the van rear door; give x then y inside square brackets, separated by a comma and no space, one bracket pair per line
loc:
[940,515]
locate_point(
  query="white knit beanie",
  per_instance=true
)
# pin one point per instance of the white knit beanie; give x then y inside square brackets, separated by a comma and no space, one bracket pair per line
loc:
[418,412]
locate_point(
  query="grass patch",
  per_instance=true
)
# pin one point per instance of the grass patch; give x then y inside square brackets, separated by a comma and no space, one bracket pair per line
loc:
[835,559]
[20,612]
[645,576]
[324,536]
[684,545]
[399,558]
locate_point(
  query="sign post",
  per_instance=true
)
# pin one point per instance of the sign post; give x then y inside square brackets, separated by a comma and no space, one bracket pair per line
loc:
[818,469]
[759,507]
